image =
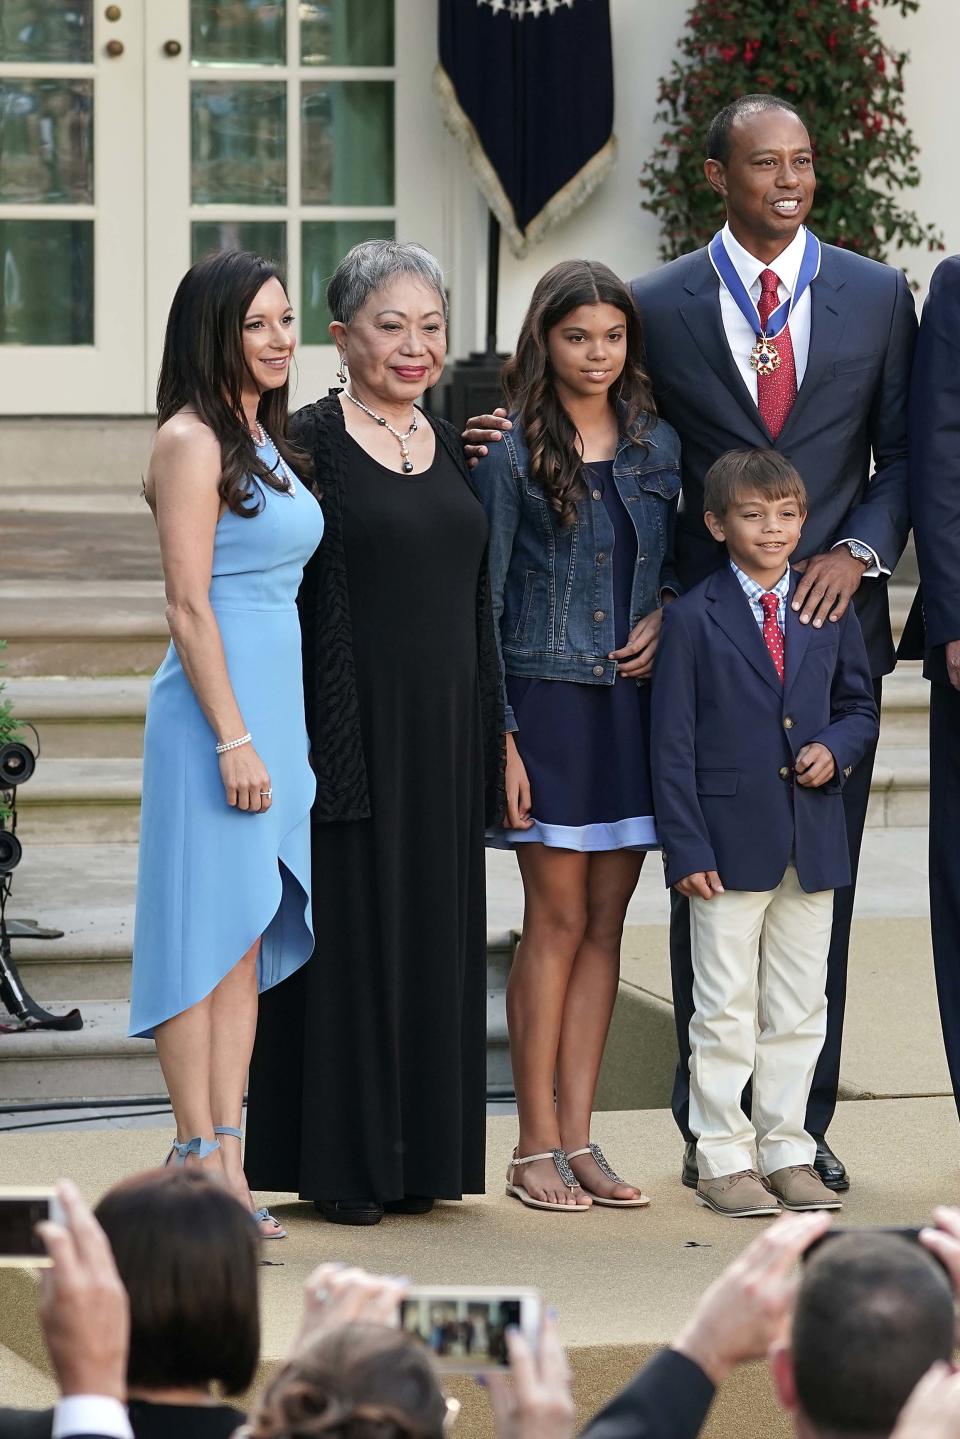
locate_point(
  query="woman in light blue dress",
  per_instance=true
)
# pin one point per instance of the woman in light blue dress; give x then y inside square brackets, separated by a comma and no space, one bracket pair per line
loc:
[223,894]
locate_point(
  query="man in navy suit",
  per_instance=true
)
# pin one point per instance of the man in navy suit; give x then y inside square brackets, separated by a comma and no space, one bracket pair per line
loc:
[933,630]
[838,393]
[851,338]
[758,722]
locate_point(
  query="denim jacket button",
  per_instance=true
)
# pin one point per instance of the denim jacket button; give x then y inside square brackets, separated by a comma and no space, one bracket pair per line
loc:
[599,614]
[596,494]
[601,557]
[598,670]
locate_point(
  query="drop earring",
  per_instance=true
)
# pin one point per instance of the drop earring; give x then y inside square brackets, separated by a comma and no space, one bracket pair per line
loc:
[342,371]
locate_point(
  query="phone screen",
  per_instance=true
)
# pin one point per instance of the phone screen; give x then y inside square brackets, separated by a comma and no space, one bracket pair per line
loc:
[464,1333]
[18,1238]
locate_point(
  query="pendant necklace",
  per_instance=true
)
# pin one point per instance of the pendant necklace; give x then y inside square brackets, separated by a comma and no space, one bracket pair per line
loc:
[406,462]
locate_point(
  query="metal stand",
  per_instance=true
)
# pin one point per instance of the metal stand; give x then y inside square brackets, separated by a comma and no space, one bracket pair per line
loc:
[13,994]
[472,386]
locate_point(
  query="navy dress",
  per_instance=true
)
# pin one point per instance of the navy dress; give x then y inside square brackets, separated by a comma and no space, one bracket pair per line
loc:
[586,747]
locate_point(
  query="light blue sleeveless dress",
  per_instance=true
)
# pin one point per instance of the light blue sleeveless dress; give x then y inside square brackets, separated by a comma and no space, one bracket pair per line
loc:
[211,877]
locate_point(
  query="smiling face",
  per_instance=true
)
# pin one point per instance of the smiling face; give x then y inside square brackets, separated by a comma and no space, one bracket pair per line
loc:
[396,344]
[760,534]
[269,339]
[587,350]
[768,181]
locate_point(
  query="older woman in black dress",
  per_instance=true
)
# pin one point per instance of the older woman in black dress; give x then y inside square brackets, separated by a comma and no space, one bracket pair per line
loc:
[367,1088]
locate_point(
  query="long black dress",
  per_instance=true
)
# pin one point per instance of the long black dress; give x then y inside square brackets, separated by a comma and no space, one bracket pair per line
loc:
[368,1076]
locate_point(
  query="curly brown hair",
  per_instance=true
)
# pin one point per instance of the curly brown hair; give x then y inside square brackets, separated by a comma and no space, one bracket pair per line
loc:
[203,366]
[361,1381]
[552,438]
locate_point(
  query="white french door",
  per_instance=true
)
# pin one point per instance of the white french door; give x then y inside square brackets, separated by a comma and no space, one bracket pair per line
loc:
[137,137]
[71,207]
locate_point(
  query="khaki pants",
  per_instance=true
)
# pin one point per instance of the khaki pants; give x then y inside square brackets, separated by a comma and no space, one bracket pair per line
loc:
[760,1013]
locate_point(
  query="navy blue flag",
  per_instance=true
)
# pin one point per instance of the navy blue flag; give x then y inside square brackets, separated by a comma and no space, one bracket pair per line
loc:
[527,87]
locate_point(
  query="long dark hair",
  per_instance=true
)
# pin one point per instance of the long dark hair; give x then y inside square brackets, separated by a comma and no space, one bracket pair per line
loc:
[551,435]
[203,366]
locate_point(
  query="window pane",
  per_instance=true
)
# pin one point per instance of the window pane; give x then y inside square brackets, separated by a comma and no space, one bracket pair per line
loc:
[346,32]
[46,31]
[325,242]
[46,141]
[264,237]
[346,142]
[238,140]
[238,32]
[46,282]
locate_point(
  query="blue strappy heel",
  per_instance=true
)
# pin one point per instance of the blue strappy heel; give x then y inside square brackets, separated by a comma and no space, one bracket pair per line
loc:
[197,1148]
[263,1215]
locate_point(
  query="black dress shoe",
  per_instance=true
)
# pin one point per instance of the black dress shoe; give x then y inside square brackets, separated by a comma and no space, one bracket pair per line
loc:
[830,1169]
[690,1173]
[409,1204]
[349,1211]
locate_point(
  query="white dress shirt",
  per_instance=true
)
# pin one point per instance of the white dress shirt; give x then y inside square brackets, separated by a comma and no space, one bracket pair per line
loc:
[90,1414]
[741,336]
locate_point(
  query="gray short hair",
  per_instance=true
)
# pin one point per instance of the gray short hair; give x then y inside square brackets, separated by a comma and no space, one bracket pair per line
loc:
[371,265]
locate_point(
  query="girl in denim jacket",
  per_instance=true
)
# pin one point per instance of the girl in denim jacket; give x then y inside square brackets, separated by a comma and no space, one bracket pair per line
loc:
[581,496]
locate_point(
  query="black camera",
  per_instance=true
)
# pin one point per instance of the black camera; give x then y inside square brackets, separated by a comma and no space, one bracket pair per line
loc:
[17,764]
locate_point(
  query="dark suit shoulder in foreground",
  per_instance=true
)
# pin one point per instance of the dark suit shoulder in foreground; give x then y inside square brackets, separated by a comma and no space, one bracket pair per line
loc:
[669,1399]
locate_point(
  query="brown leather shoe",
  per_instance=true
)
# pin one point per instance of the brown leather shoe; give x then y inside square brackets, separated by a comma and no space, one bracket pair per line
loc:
[799,1186]
[743,1195]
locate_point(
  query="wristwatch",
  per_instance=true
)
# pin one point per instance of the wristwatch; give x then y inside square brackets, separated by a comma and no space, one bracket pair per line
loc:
[860,552]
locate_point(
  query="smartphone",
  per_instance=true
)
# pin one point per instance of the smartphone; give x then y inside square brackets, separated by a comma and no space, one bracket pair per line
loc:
[21,1209]
[465,1329]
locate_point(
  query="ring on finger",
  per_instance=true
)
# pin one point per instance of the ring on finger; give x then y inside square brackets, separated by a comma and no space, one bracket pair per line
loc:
[266,794]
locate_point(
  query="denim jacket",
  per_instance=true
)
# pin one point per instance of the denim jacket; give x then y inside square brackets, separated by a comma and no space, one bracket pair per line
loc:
[553,585]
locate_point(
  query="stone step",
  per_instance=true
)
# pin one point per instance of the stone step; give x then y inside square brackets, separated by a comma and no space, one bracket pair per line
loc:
[71,455]
[85,801]
[81,718]
[88,628]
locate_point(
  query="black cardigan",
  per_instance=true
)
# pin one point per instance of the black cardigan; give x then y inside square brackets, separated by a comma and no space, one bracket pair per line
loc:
[329,674]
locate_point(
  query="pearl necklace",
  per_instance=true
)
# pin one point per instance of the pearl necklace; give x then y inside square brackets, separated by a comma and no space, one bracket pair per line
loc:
[406,462]
[263,439]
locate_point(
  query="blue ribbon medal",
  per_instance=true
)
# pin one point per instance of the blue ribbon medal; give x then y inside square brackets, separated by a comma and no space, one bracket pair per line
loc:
[764,357]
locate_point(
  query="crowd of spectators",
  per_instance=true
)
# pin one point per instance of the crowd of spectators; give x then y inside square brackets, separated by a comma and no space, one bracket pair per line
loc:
[150,1315]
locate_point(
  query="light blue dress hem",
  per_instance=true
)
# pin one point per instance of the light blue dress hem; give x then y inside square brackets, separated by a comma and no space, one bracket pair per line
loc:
[638,832]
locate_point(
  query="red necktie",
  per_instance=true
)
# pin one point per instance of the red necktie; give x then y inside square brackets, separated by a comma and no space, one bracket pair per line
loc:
[772,637]
[777,392]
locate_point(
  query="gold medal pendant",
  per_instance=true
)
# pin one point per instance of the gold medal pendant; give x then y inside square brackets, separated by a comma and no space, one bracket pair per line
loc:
[765,357]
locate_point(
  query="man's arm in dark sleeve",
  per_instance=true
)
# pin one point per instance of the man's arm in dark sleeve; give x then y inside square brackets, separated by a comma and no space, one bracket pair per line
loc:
[882,519]
[935,454]
[669,1399]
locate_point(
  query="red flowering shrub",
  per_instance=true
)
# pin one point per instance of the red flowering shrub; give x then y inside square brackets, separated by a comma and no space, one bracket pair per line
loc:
[827,58]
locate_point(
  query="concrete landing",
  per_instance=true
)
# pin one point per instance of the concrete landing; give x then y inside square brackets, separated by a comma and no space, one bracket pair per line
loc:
[623,1282]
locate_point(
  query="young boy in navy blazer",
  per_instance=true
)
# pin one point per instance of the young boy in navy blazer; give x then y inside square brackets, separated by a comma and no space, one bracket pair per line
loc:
[758,721]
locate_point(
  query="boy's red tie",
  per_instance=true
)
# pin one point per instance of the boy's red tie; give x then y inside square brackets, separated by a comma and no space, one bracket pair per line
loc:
[771,631]
[777,392]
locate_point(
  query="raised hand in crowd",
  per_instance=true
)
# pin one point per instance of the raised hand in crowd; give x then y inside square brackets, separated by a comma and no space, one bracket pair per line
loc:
[933,1409]
[746,1310]
[538,1403]
[84,1310]
[334,1295]
[482,430]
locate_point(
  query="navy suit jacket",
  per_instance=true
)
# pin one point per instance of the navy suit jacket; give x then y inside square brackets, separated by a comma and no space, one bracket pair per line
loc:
[669,1399]
[935,473]
[726,731]
[853,400]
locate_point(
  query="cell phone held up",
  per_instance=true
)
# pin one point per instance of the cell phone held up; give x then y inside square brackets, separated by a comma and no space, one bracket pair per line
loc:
[465,1329]
[21,1210]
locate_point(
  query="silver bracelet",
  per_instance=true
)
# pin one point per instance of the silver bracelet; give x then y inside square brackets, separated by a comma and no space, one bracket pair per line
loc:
[234,743]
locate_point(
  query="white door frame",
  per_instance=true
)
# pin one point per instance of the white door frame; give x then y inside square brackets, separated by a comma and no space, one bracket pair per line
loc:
[106,377]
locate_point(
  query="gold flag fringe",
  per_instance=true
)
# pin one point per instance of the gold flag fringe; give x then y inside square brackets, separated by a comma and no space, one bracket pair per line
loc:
[557,208]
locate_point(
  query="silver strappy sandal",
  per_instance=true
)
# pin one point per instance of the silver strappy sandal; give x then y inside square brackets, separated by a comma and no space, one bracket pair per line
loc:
[263,1215]
[606,1168]
[570,1181]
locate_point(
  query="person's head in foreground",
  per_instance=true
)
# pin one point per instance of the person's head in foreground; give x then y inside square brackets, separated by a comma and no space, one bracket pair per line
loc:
[186,1251]
[361,1381]
[873,1313]
[755,503]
